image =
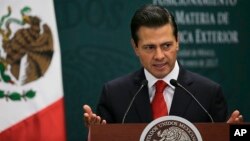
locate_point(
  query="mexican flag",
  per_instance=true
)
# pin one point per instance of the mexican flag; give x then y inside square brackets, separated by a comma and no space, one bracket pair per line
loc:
[31,90]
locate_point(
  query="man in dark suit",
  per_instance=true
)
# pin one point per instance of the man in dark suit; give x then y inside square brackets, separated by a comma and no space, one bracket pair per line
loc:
[155,42]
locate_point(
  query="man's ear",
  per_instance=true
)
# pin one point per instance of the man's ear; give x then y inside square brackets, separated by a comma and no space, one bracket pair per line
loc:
[135,48]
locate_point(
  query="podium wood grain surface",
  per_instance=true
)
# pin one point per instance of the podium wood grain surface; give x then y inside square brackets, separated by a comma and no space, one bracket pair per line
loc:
[132,132]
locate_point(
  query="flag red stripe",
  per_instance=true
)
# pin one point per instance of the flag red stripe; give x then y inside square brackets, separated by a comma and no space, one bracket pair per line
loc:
[46,125]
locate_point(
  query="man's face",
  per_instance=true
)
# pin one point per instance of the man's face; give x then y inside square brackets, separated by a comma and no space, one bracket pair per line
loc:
[157,49]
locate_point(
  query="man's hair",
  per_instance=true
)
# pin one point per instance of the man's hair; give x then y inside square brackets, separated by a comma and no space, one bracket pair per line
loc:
[151,16]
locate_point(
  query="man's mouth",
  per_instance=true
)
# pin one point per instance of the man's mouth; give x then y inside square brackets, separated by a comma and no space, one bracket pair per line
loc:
[159,65]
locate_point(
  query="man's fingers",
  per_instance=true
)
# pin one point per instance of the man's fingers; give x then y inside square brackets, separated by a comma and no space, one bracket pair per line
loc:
[235,114]
[104,122]
[86,119]
[87,109]
[91,118]
[235,117]
[98,119]
[240,118]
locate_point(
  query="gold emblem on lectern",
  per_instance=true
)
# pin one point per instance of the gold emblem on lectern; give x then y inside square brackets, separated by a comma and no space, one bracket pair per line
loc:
[170,128]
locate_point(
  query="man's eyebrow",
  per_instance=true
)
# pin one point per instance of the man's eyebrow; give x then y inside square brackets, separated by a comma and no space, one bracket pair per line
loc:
[149,44]
[167,42]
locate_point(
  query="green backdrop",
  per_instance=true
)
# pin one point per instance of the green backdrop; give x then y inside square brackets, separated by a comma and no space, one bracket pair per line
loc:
[95,47]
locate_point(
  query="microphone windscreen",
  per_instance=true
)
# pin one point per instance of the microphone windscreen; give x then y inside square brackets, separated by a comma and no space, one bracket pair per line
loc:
[174,82]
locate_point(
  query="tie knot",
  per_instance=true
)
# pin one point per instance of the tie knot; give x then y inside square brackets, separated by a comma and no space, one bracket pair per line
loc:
[160,85]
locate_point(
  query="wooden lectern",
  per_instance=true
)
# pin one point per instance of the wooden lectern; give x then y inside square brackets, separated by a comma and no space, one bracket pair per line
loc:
[132,132]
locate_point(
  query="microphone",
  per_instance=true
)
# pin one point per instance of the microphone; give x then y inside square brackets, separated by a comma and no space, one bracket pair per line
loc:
[176,84]
[143,83]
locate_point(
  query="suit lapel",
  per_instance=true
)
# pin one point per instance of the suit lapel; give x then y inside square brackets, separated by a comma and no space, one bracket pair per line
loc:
[142,102]
[181,99]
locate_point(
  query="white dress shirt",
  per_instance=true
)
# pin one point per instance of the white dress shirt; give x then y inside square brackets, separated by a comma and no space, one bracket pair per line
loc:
[169,90]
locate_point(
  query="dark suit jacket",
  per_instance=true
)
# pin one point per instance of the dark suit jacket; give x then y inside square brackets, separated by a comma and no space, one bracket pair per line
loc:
[118,93]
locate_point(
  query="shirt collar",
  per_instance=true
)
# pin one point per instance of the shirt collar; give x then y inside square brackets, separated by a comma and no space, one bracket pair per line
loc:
[172,75]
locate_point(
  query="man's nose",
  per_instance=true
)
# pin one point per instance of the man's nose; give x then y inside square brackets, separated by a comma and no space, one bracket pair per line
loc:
[159,54]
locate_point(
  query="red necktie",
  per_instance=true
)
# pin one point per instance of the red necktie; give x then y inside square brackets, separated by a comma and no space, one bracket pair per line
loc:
[159,106]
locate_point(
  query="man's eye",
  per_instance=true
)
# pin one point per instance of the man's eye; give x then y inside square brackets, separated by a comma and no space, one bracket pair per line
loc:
[149,47]
[166,46]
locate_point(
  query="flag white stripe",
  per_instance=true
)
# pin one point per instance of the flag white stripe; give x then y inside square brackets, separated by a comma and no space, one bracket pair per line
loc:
[49,87]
